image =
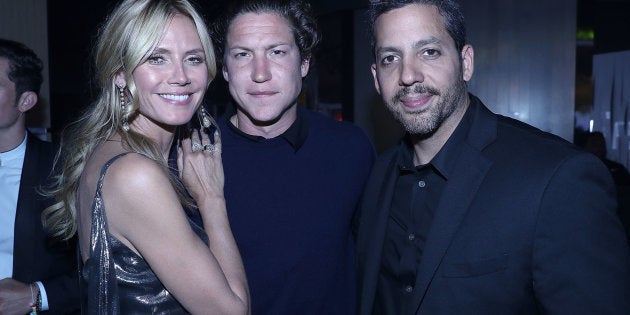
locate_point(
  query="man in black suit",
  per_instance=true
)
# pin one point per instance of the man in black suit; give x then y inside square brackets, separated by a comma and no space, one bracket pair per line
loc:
[476,213]
[37,273]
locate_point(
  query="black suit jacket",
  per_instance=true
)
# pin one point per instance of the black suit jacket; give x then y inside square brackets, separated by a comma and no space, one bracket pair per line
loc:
[527,225]
[37,257]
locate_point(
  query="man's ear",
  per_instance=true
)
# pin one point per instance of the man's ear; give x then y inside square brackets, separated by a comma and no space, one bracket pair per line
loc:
[226,76]
[27,100]
[468,62]
[120,80]
[378,88]
[305,66]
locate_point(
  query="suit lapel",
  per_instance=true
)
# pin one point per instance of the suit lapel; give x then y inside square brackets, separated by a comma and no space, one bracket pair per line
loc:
[27,212]
[468,174]
[454,204]
[373,233]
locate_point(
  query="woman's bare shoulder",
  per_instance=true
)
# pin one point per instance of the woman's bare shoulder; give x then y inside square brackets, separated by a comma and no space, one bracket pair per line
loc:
[136,171]
[139,186]
[139,197]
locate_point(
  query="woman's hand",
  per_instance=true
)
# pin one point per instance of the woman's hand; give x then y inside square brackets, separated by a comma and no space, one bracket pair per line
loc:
[200,166]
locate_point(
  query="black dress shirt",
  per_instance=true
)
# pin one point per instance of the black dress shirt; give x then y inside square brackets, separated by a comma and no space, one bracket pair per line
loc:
[417,195]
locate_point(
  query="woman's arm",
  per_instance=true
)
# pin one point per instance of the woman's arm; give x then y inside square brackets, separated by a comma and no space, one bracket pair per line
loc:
[144,212]
[202,173]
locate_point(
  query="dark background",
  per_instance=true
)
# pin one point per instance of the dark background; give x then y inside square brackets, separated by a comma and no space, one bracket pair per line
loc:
[72,26]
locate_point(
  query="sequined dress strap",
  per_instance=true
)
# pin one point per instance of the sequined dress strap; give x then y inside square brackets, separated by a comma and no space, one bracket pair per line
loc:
[103,289]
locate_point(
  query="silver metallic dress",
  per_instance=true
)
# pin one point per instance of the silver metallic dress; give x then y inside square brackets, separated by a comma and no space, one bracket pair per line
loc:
[118,280]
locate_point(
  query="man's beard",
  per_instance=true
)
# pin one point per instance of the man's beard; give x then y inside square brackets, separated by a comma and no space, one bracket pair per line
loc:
[426,121]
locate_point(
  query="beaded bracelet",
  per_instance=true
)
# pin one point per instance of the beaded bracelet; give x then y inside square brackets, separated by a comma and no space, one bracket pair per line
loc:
[36,300]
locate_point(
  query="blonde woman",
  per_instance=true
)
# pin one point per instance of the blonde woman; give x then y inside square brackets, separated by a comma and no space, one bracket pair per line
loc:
[140,251]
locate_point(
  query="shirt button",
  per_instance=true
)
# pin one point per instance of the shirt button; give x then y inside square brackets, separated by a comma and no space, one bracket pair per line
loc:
[408,289]
[412,236]
[422,183]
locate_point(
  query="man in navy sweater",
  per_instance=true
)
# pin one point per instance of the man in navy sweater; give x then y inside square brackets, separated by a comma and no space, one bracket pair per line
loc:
[293,177]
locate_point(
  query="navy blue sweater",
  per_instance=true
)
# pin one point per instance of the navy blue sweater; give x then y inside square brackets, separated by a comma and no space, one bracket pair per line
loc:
[291,211]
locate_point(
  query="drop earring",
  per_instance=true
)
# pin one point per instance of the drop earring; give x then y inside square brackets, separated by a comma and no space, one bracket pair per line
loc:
[205,120]
[123,106]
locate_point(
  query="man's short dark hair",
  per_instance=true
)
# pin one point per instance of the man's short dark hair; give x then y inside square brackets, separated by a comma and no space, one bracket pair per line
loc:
[297,12]
[25,68]
[449,9]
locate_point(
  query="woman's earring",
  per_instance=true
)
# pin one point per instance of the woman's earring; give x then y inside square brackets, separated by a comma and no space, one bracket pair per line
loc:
[123,106]
[204,118]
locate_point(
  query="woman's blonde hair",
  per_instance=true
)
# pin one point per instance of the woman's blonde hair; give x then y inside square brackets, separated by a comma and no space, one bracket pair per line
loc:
[126,39]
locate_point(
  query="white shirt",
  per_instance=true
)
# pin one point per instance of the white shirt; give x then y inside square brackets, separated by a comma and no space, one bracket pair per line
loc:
[11,163]
[10,173]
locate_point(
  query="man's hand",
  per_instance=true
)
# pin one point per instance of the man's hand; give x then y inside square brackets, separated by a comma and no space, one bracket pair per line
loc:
[15,297]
